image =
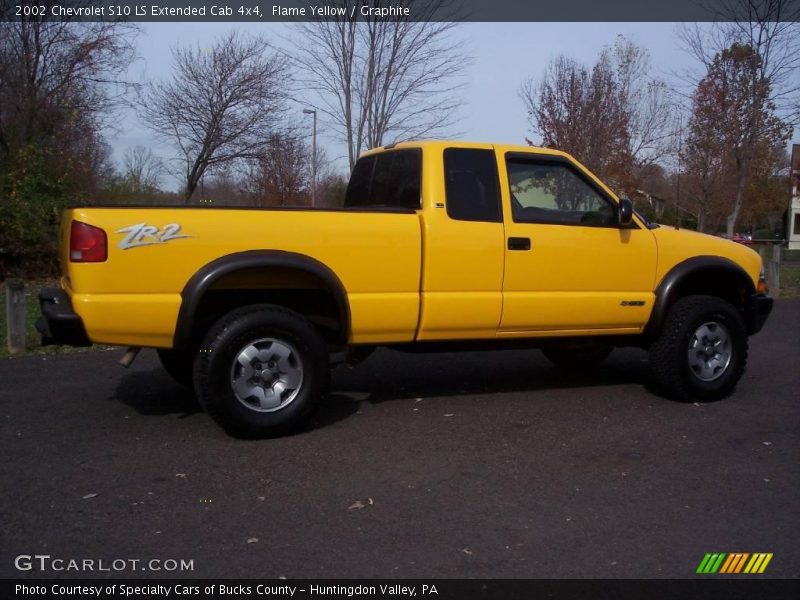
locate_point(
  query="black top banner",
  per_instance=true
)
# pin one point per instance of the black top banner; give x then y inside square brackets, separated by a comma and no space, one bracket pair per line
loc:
[412,10]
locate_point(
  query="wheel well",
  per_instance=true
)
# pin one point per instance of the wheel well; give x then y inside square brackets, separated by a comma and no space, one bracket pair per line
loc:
[711,282]
[707,276]
[312,295]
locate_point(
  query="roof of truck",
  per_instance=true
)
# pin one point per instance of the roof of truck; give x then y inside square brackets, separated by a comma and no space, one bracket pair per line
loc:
[466,144]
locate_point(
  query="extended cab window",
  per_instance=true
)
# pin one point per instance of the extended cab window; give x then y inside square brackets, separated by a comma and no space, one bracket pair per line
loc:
[551,191]
[389,179]
[471,186]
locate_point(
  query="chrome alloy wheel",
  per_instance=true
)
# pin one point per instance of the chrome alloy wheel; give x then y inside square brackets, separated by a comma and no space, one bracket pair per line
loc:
[710,351]
[267,375]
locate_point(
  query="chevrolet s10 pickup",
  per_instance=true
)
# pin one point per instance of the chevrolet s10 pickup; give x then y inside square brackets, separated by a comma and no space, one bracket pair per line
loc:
[439,245]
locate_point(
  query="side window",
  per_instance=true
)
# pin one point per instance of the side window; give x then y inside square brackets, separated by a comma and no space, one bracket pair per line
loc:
[471,186]
[389,179]
[544,191]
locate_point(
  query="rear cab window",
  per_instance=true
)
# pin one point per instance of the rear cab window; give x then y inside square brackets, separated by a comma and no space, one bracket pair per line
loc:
[387,180]
[472,190]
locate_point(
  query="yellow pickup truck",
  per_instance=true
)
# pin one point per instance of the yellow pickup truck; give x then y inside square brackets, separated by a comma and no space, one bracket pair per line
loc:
[439,245]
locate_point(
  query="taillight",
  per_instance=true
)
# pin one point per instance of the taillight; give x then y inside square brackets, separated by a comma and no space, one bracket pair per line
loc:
[87,243]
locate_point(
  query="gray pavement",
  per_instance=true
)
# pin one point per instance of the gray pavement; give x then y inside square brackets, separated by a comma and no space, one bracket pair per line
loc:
[472,465]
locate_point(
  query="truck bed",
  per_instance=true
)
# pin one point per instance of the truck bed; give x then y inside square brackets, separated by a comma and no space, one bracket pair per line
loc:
[375,254]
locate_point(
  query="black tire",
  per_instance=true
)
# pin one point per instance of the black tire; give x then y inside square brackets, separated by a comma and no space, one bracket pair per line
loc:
[670,361]
[179,364]
[578,357]
[264,328]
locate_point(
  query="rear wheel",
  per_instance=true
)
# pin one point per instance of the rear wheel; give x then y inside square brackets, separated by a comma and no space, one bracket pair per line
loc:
[701,353]
[261,370]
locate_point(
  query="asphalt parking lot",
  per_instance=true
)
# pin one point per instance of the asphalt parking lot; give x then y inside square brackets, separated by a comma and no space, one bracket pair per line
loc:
[473,465]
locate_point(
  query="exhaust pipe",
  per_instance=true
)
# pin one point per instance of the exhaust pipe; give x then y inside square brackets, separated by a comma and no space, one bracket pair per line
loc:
[127,360]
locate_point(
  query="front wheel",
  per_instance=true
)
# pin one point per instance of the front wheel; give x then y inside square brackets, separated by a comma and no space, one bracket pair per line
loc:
[261,371]
[701,352]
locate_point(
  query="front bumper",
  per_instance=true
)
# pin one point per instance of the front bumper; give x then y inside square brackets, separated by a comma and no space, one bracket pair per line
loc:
[756,312]
[59,324]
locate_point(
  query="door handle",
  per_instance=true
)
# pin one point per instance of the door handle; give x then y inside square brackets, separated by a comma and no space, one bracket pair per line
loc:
[519,243]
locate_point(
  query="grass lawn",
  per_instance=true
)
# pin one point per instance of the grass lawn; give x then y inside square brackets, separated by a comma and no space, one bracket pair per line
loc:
[790,254]
[790,280]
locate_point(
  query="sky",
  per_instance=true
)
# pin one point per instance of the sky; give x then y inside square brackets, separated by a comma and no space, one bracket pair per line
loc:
[504,54]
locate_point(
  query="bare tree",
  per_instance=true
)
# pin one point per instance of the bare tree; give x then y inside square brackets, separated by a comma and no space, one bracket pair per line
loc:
[751,59]
[282,174]
[142,169]
[575,109]
[220,104]
[225,187]
[706,167]
[612,115]
[379,80]
[58,74]
[331,190]
[650,111]
[703,166]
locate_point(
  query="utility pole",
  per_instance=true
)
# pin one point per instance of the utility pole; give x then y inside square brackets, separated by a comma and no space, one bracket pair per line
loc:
[309,111]
[680,167]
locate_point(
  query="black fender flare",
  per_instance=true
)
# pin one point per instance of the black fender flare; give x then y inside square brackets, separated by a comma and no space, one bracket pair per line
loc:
[666,291]
[207,275]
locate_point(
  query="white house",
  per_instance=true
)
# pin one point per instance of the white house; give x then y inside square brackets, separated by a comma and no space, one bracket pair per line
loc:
[793,234]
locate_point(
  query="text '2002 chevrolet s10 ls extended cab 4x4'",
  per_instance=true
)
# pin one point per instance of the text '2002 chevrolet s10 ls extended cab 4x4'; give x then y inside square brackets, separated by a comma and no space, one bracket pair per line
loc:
[439,245]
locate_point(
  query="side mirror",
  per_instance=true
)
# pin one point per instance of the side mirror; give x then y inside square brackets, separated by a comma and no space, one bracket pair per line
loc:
[625,211]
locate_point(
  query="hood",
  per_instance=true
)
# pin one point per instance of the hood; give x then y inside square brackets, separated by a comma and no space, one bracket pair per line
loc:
[677,245]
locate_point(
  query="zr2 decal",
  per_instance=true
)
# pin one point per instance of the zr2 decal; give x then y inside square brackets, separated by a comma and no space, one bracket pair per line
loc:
[143,234]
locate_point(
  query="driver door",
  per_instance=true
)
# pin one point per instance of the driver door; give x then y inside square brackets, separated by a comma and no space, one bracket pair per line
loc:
[570,267]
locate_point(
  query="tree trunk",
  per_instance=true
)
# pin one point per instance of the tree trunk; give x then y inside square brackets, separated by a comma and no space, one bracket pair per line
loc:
[188,191]
[730,221]
[193,179]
